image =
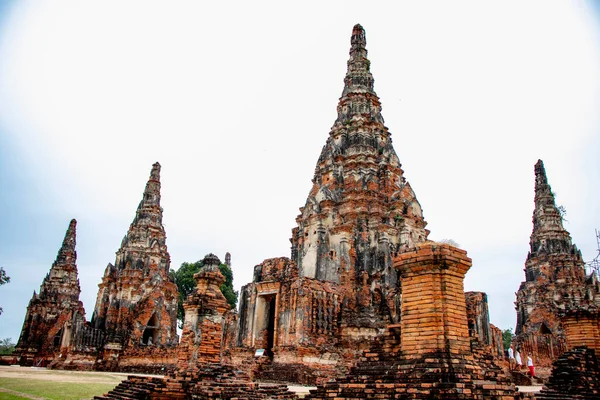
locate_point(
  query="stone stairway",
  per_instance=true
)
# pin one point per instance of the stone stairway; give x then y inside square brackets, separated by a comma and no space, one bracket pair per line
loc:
[134,388]
[213,381]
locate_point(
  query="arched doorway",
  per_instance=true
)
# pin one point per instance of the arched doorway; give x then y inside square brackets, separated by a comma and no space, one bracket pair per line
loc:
[150,335]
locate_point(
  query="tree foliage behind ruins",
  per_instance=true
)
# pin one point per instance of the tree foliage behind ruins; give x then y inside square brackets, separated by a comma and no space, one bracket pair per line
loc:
[184,279]
[507,335]
[3,279]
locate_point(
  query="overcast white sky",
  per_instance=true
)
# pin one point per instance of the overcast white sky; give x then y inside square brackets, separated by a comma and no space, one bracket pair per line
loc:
[236,99]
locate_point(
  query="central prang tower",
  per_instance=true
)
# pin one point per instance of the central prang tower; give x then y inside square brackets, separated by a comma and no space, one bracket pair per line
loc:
[312,314]
[360,209]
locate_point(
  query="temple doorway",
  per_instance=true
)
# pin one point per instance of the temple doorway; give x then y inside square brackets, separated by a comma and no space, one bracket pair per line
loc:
[151,332]
[271,326]
[264,323]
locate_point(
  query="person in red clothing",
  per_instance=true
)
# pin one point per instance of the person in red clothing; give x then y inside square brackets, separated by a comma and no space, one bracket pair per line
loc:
[530,366]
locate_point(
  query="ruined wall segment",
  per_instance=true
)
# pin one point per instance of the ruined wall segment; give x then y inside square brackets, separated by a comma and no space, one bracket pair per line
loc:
[205,311]
[432,358]
[554,279]
[137,301]
[479,317]
[51,312]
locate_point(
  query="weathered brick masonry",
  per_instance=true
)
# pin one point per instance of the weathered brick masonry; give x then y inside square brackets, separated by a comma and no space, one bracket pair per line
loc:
[554,279]
[432,358]
[576,373]
[54,312]
[133,326]
[200,373]
[314,313]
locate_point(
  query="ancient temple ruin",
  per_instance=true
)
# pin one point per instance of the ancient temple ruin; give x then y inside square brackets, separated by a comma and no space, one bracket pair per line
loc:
[365,297]
[133,326]
[313,314]
[554,279]
[52,313]
[137,301]
[200,374]
[430,354]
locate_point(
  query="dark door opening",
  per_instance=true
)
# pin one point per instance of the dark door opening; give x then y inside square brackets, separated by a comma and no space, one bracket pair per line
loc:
[151,332]
[270,326]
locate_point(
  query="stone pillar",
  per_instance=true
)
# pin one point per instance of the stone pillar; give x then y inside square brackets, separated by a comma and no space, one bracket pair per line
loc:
[434,316]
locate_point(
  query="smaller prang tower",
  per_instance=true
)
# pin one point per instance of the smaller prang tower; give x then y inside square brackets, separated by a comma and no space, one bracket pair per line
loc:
[554,279]
[137,301]
[46,326]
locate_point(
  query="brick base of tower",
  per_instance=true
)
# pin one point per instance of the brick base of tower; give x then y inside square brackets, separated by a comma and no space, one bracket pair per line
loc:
[429,355]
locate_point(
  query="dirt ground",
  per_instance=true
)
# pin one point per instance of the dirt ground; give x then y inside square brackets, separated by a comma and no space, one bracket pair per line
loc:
[116,377]
[84,376]
[61,376]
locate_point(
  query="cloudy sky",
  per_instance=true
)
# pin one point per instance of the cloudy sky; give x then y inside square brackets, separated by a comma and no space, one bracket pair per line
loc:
[236,99]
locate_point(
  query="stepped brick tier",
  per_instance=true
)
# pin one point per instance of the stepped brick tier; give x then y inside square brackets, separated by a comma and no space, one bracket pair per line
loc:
[430,354]
[52,314]
[575,376]
[576,373]
[339,290]
[554,279]
[211,381]
[200,374]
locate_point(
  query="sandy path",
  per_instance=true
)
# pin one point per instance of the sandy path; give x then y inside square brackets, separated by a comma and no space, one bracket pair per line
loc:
[62,376]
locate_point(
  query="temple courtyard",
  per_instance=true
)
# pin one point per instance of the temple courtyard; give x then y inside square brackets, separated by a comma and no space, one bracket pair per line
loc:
[95,380]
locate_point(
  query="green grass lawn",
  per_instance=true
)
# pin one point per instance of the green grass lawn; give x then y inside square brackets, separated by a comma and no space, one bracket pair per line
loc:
[6,396]
[52,390]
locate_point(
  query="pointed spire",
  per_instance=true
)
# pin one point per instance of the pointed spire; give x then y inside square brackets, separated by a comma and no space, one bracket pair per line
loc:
[68,245]
[152,190]
[548,235]
[149,211]
[146,230]
[358,78]
[358,96]
[63,272]
[546,215]
[540,175]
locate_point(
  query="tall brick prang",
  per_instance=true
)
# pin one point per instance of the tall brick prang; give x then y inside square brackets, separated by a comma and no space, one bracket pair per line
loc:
[137,300]
[555,279]
[315,312]
[50,312]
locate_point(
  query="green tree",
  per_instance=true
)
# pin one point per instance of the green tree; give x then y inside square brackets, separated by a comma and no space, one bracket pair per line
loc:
[184,279]
[227,288]
[3,280]
[507,336]
[7,346]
